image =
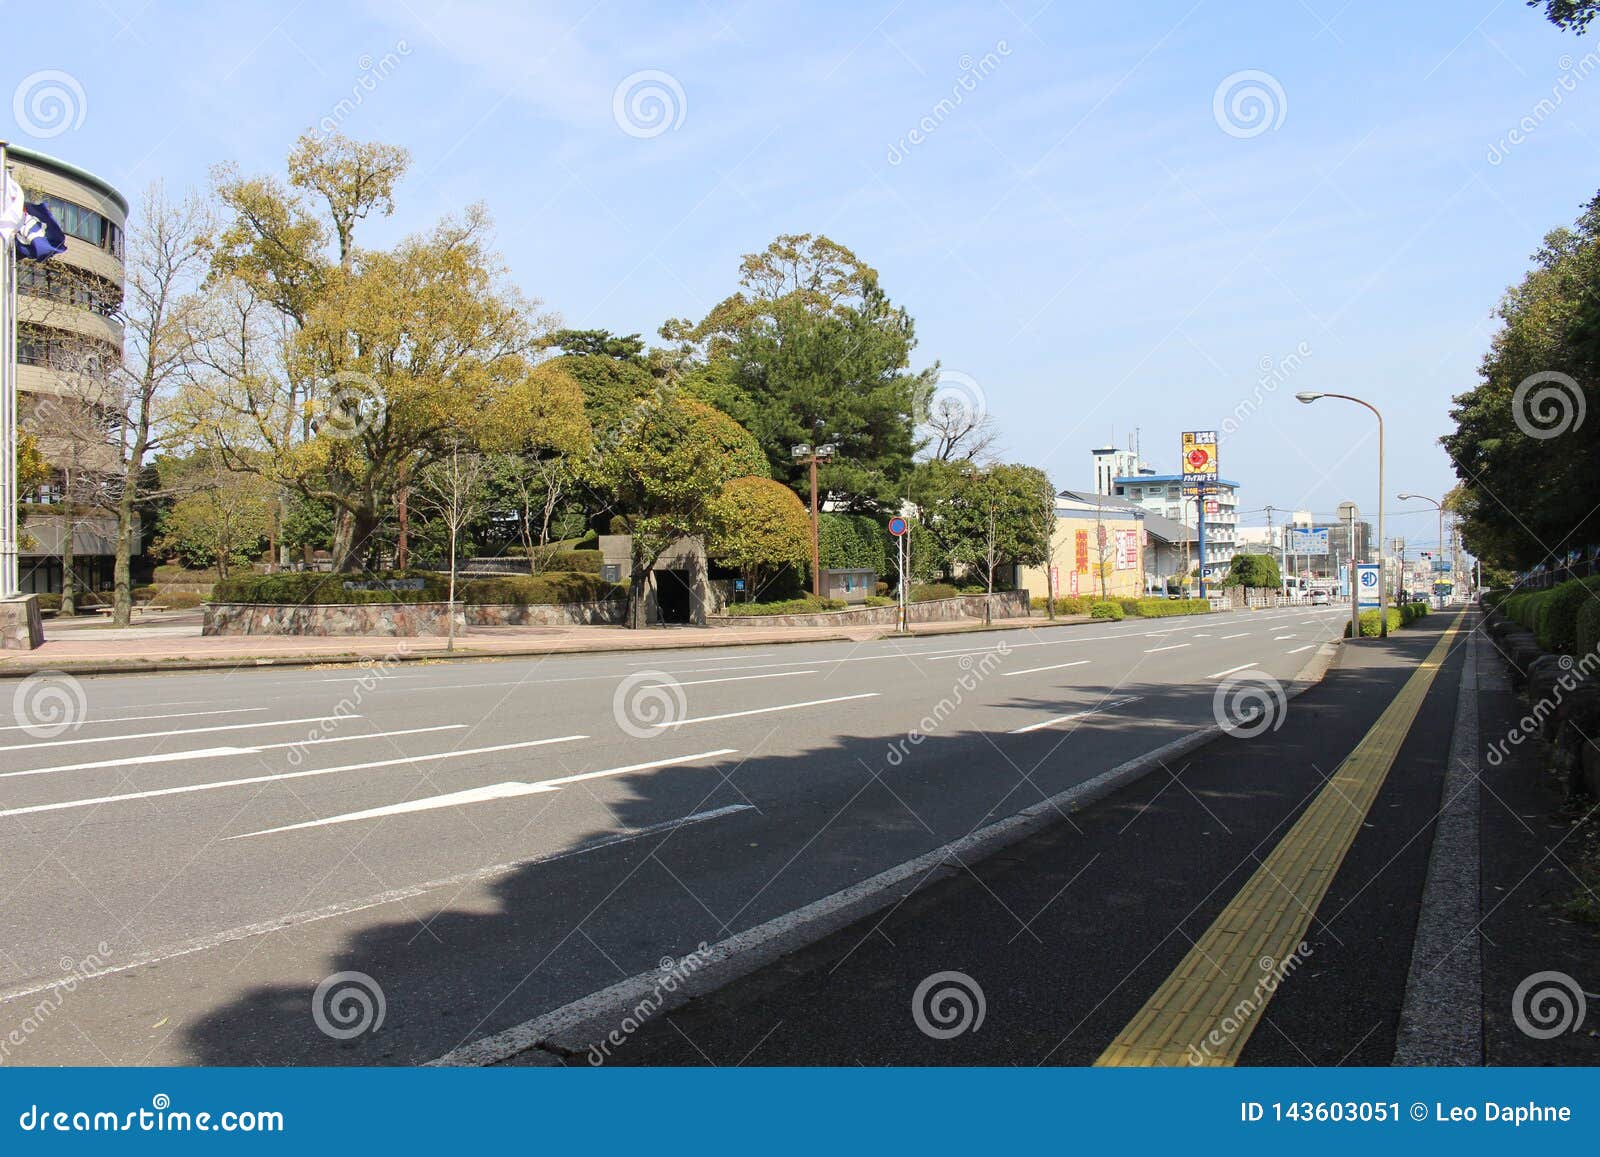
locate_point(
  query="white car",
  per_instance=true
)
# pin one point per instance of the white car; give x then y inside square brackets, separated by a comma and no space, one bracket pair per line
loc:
[1320,598]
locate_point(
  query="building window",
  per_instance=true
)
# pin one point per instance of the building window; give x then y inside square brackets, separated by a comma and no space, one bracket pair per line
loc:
[85,225]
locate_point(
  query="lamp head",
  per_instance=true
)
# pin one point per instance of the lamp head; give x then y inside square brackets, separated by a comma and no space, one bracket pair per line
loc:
[1307,396]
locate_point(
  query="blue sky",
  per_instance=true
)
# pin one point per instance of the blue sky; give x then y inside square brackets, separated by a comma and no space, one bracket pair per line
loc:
[1081,236]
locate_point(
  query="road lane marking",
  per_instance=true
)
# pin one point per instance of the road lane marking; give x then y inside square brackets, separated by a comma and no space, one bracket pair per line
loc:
[1297,650]
[1074,715]
[168,734]
[1267,920]
[222,752]
[486,794]
[740,678]
[1231,670]
[768,710]
[1281,638]
[140,718]
[348,907]
[217,785]
[1168,647]
[1052,667]
[1240,635]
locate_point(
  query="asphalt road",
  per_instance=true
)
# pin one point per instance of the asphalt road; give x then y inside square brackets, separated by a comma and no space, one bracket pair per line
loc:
[190,858]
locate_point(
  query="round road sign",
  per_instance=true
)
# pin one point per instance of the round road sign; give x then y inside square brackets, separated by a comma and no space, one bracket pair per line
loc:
[897,526]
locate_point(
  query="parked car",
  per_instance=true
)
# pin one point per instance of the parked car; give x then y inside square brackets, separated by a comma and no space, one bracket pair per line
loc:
[1320,598]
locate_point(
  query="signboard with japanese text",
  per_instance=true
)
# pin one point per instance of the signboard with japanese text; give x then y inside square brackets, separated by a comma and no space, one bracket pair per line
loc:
[1302,541]
[1080,552]
[1199,457]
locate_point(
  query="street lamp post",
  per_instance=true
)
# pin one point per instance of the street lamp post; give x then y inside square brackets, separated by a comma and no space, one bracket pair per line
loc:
[811,453]
[1308,397]
[1439,506]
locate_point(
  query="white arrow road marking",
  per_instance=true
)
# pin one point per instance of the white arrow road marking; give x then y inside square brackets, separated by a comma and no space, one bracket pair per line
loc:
[217,785]
[221,752]
[1052,667]
[141,718]
[1062,718]
[484,794]
[769,710]
[168,734]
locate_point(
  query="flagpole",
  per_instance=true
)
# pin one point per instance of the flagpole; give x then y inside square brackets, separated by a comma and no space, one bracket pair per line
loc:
[9,583]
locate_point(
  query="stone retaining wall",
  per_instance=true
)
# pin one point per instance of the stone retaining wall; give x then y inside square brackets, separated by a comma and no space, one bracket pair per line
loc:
[1007,605]
[383,620]
[548,615]
[395,619]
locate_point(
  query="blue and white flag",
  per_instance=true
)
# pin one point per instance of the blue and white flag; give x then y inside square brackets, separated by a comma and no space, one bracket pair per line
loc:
[40,237]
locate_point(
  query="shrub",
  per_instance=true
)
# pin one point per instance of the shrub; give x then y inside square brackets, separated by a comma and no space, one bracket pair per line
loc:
[1369,623]
[1106,610]
[880,600]
[586,561]
[524,590]
[1066,605]
[1559,626]
[1156,608]
[810,604]
[49,602]
[1495,598]
[927,592]
[1588,627]
[306,588]
[179,600]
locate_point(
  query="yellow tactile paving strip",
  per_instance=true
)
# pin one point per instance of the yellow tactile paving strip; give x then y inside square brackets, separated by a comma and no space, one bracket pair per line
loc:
[1206,1010]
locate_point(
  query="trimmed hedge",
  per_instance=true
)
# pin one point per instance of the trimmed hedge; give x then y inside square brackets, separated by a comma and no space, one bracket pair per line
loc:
[1552,615]
[1370,623]
[1069,605]
[533,590]
[1162,608]
[810,604]
[927,592]
[1588,627]
[1106,610]
[301,588]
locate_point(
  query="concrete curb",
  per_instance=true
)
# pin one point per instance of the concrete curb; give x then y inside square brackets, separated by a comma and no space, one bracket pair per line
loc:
[576,1028]
[1441,1017]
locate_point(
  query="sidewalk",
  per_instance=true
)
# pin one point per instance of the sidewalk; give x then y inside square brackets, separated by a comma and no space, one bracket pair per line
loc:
[1058,942]
[158,647]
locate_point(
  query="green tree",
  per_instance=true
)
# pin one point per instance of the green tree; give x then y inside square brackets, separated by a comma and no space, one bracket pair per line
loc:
[758,527]
[667,464]
[1001,515]
[1254,570]
[1529,464]
[222,518]
[1572,15]
[816,354]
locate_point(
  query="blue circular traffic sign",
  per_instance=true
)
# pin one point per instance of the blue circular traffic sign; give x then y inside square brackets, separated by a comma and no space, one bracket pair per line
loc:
[897,526]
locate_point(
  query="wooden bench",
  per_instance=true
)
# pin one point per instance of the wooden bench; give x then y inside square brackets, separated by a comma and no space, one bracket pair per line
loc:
[137,608]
